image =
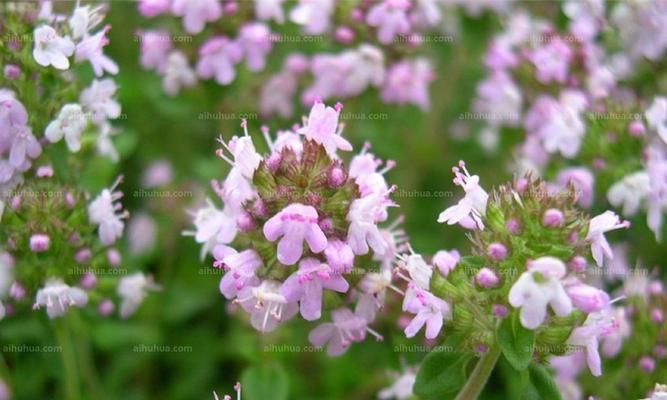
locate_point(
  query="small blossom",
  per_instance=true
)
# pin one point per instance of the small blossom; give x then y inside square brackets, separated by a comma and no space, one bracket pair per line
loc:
[217,58]
[596,326]
[538,287]
[255,39]
[39,242]
[177,73]
[390,18]
[582,181]
[430,311]
[306,286]
[553,218]
[70,123]
[295,223]
[51,49]
[240,267]
[472,205]
[346,327]
[586,298]
[486,278]
[322,127]
[90,48]
[446,261]
[102,212]
[363,232]
[599,225]
[58,297]
[196,13]
[656,117]
[315,15]
[132,290]
[98,98]
[497,251]
[267,307]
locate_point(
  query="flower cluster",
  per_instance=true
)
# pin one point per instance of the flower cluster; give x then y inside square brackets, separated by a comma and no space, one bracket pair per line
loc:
[382,44]
[527,276]
[57,245]
[640,324]
[299,230]
[585,121]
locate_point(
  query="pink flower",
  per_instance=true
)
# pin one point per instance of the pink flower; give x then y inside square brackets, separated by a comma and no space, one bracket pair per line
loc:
[196,13]
[586,298]
[339,256]
[266,306]
[430,311]
[598,226]
[446,261]
[582,181]
[217,58]
[39,242]
[552,60]
[306,286]
[315,15]
[322,127]
[255,39]
[151,8]
[240,267]
[390,18]
[486,278]
[155,46]
[407,83]
[295,223]
[270,9]
[363,216]
[345,328]
[597,325]
[90,48]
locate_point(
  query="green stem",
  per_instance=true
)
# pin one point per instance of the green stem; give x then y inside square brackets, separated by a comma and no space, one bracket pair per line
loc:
[72,384]
[479,375]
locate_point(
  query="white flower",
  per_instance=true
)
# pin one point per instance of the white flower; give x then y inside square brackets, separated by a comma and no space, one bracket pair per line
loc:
[363,216]
[600,224]
[420,272]
[213,226]
[70,123]
[83,19]
[656,116]
[177,73]
[133,289]
[473,204]
[6,278]
[630,192]
[104,143]
[51,49]
[102,211]
[98,98]
[314,14]
[401,389]
[270,9]
[538,287]
[58,297]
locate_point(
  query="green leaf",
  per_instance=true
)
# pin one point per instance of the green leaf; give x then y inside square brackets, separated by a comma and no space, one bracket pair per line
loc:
[441,374]
[264,382]
[516,342]
[542,385]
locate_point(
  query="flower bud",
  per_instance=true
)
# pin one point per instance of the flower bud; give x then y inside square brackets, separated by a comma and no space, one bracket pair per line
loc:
[499,310]
[113,257]
[273,162]
[636,128]
[497,251]
[15,202]
[587,298]
[553,218]
[513,226]
[647,364]
[657,316]
[660,351]
[336,177]
[12,71]
[245,222]
[577,263]
[486,278]
[446,261]
[105,307]
[17,291]
[344,35]
[39,242]
[88,280]
[83,255]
